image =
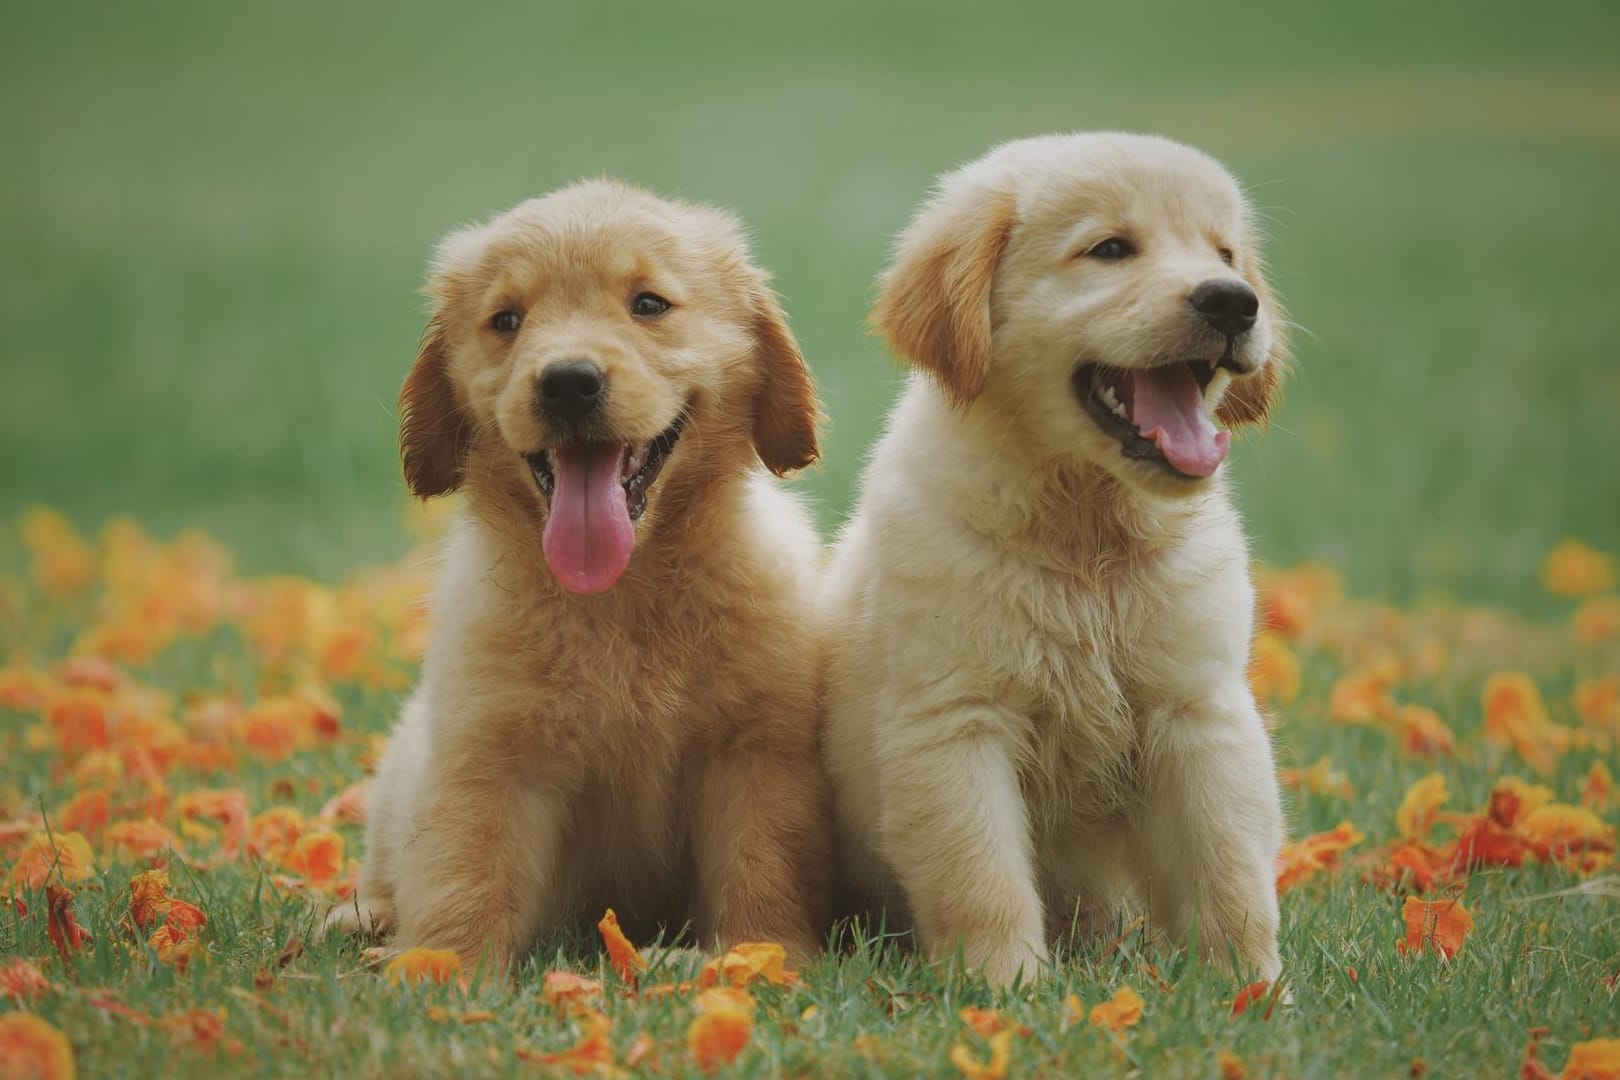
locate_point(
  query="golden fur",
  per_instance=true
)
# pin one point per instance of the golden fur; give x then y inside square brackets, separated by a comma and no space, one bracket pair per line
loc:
[653,747]
[1037,712]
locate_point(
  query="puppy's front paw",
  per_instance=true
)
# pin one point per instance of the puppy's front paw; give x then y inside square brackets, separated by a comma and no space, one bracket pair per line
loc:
[361,916]
[469,925]
[1002,966]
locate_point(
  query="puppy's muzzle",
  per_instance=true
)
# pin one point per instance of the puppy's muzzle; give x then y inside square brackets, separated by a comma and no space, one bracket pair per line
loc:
[1229,307]
[569,392]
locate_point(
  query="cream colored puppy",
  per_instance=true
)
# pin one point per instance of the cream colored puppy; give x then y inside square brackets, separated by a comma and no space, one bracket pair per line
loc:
[1040,612]
[617,706]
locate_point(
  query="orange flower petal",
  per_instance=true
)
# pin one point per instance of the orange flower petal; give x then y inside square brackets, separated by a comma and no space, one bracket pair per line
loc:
[1598,1059]
[1512,800]
[641,1048]
[46,857]
[1362,697]
[987,1022]
[1291,601]
[176,941]
[87,812]
[148,897]
[1598,790]
[1576,569]
[32,1048]
[423,965]
[1273,669]
[1596,701]
[1123,1010]
[621,954]
[1485,842]
[139,840]
[1597,620]
[61,926]
[1439,925]
[21,980]
[1423,733]
[1423,800]
[1516,718]
[993,1069]
[745,963]
[564,988]
[1557,830]
[1304,859]
[724,1024]
[227,807]
[81,720]
[273,834]
[318,857]
[202,1028]
[1249,995]
[1411,865]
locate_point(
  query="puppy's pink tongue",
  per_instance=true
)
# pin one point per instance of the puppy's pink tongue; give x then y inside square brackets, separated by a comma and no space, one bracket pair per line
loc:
[588,537]
[1167,407]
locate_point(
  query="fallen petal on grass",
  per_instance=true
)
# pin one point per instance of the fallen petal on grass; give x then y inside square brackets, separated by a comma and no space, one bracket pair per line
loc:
[1123,1010]
[1440,926]
[423,965]
[621,954]
[32,1049]
[994,1068]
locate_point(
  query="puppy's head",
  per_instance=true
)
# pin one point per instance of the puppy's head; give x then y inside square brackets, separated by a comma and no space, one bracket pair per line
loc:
[609,347]
[1104,290]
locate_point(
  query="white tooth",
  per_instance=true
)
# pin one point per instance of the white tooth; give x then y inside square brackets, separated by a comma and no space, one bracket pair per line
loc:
[635,461]
[1119,411]
[1108,397]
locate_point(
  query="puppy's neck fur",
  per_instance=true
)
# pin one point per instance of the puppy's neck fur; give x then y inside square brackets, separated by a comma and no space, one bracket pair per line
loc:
[1057,512]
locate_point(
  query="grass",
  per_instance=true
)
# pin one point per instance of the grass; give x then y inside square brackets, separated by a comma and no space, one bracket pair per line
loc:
[1543,954]
[213,219]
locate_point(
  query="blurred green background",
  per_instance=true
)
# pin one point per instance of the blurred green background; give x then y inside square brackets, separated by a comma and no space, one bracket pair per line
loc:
[214,217]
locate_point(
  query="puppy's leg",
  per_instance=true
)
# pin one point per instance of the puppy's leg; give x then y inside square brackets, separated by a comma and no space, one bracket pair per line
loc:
[390,803]
[955,829]
[370,912]
[478,873]
[1211,828]
[761,832]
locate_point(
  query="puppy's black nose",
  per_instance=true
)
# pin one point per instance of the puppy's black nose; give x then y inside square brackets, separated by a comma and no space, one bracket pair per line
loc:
[570,390]
[1228,306]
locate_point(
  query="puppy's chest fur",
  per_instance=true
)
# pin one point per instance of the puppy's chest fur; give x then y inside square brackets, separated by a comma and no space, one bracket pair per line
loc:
[636,685]
[621,698]
[1088,685]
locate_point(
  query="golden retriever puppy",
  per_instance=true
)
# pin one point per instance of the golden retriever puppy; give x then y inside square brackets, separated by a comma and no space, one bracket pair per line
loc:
[618,702]
[1039,614]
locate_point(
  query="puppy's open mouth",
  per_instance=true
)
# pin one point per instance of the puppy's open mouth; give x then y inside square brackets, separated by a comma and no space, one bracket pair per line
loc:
[639,463]
[1157,414]
[597,491]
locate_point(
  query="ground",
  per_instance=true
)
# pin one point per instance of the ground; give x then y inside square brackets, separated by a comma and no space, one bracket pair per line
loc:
[214,219]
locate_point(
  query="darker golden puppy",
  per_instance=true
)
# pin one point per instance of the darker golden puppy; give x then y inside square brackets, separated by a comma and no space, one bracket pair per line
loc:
[617,704]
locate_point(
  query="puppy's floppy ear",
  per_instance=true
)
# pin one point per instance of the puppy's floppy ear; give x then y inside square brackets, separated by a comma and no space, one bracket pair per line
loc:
[786,411]
[433,433]
[933,304]
[1250,400]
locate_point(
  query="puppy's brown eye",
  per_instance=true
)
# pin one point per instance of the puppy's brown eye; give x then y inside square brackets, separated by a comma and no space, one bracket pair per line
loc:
[1112,249]
[649,305]
[506,322]
[1227,257]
